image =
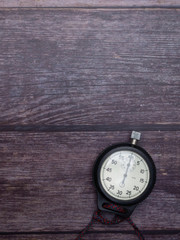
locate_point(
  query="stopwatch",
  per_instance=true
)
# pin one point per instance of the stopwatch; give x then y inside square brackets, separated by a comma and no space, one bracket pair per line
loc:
[124,174]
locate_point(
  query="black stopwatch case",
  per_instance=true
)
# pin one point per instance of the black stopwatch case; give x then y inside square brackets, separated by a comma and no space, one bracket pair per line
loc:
[104,197]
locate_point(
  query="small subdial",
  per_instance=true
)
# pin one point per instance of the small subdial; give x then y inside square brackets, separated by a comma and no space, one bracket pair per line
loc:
[122,184]
[122,162]
[128,161]
[132,162]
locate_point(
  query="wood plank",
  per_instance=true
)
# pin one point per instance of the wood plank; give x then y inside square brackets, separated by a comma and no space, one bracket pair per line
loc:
[92,236]
[46,180]
[89,67]
[87,3]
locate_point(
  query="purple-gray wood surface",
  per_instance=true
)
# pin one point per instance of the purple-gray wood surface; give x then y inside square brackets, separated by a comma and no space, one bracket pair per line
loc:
[89,3]
[90,236]
[73,82]
[90,67]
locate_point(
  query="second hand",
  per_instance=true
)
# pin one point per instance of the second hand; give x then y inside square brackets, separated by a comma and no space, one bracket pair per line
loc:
[125,175]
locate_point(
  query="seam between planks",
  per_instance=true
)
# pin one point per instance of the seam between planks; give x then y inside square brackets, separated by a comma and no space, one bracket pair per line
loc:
[89,128]
[97,8]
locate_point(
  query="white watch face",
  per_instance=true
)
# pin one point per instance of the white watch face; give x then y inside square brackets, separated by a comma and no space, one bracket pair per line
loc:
[124,175]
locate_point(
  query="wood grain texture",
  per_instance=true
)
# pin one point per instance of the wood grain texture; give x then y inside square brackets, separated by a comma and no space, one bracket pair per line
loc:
[46,181]
[72,79]
[88,3]
[90,236]
[89,67]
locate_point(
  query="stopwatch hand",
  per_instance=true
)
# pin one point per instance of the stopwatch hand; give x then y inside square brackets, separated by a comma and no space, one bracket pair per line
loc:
[125,175]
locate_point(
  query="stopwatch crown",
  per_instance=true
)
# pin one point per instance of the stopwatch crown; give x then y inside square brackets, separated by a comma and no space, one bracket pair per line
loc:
[135,136]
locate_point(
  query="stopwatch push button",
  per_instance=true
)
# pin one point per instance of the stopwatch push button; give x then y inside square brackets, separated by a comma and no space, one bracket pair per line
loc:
[135,136]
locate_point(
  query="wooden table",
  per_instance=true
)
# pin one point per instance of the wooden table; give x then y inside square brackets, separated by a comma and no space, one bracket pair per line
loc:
[76,77]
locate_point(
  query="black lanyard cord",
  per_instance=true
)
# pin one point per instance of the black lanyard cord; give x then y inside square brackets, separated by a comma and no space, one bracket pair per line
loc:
[97,217]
